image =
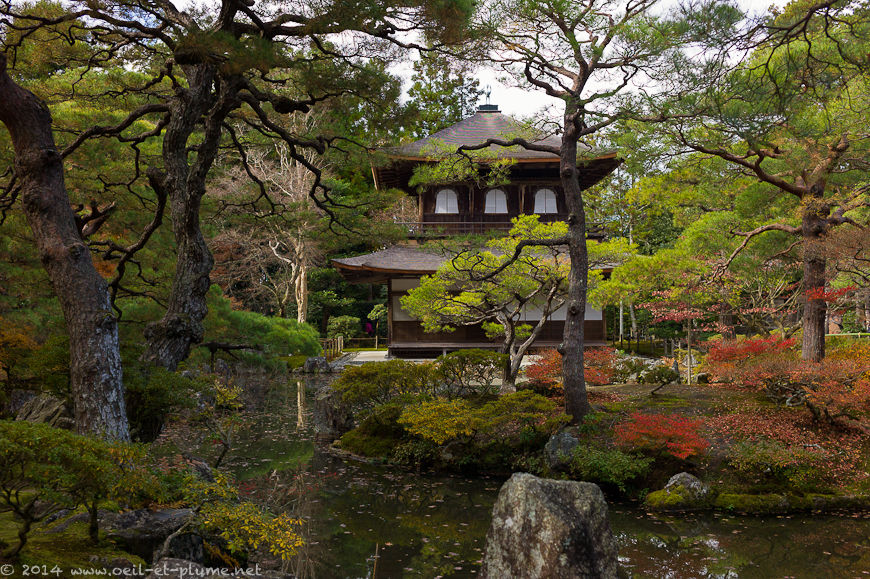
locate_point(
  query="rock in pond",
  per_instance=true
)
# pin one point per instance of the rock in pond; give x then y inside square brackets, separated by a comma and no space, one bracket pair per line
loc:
[331,417]
[549,528]
[316,365]
[560,449]
[684,491]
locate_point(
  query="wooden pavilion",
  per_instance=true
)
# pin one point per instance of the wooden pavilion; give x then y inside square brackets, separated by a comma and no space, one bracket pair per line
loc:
[466,207]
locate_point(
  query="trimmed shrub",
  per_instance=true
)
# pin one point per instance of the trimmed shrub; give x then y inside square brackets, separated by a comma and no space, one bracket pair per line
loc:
[470,372]
[609,466]
[368,385]
[511,419]
[274,336]
[769,461]
[347,326]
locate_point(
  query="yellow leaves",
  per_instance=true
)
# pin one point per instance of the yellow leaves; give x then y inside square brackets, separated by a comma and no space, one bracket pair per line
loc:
[246,527]
[444,420]
[440,420]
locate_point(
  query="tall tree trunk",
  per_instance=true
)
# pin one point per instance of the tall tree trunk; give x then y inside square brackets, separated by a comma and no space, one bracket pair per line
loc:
[815,310]
[576,401]
[170,338]
[508,376]
[95,360]
[302,294]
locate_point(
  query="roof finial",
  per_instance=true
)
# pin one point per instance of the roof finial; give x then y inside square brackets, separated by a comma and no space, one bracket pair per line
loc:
[488,92]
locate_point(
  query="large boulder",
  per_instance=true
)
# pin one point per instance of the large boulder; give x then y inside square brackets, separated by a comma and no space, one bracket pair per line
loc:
[549,528]
[47,409]
[142,532]
[559,450]
[331,416]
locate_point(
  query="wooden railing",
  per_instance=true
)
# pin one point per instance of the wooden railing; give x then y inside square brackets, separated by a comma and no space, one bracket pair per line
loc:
[443,228]
[332,347]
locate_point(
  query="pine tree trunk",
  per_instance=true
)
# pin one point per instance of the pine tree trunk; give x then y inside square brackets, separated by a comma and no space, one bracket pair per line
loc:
[95,360]
[576,401]
[815,310]
[170,338]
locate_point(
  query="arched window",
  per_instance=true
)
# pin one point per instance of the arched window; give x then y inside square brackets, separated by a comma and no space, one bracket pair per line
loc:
[496,201]
[446,202]
[545,201]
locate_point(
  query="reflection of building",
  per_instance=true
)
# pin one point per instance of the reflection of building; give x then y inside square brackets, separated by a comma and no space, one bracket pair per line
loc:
[465,207]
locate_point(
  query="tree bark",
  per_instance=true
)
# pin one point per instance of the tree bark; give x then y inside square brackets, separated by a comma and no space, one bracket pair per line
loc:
[301,286]
[815,310]
[95,361]
[170,338]
[576,401]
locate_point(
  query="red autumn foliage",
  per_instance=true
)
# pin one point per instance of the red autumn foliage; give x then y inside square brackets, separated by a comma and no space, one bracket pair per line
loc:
[547,369]
[749,363]
[671,434]
[835,391]
[599,367]
[819,293]
[738,350]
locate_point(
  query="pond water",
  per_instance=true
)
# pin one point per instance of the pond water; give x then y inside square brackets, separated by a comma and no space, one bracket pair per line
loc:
[367,520]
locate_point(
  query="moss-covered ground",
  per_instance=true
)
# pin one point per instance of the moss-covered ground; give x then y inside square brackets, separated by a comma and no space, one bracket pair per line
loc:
[65,550]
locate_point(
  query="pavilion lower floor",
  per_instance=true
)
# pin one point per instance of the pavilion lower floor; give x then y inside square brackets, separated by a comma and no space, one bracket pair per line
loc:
[408,340]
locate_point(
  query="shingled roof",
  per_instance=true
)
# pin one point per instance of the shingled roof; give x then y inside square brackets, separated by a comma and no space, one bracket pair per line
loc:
[486,123]
[378,266]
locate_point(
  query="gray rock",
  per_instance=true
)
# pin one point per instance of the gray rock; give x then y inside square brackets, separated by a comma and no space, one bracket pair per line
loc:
[221,368]
[47,409]
[560,449]
[689,486]
[141,532]
[316,365]
[331,415]
[549,528]
[199,467]
[187,546]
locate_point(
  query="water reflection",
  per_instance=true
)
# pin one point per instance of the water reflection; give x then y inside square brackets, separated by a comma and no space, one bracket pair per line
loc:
[369,520]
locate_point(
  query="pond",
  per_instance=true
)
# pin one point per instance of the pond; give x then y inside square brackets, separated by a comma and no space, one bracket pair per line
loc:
[367,520]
